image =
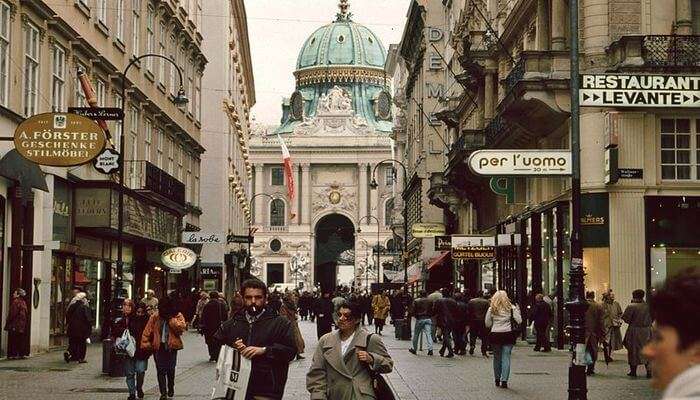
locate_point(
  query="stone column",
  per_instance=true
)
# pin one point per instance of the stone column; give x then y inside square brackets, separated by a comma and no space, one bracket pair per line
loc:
[559,23]
[362,189]
[305,194]
[489,94]
[259,216]
[684,18]
[542,25]
[374,195]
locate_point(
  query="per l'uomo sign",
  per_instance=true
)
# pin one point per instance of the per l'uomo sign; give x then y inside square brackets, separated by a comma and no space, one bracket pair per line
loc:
[59,140]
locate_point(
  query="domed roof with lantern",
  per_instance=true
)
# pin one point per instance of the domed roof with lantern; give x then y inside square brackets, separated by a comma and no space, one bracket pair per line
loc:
[340,68]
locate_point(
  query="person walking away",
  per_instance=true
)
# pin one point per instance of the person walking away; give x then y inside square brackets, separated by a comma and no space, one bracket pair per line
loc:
[134,319]
[162,337]
[367,307]
[499,319]
[436,295]
[460,318]
[476,311]
[323,309]
[674,351]
[638,333]
[344,360]
[444,310]
[213,315]
[422,310]
[265,338]
[594,331]
[612,321]
[16,326]
[79,328]
[541,317]
[304,306]
[380,310]
[203,300]
[288,310]
[150,301]
[236,305]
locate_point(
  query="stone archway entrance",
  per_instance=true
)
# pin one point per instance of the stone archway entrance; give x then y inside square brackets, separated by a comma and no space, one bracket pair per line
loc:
[335,234]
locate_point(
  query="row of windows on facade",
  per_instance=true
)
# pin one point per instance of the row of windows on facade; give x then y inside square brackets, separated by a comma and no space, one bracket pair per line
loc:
[277,212]
[32,57]
[277,176]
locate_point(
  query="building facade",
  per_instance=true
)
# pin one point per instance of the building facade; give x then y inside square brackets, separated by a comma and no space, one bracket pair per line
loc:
[226,130]
[510,71]
[336,125]
[43,46]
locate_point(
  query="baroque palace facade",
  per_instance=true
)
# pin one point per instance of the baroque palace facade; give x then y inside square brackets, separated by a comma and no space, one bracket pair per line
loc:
[336,125]
[500,73]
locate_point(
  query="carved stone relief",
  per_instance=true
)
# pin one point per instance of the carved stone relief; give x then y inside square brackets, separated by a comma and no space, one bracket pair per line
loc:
[334,197]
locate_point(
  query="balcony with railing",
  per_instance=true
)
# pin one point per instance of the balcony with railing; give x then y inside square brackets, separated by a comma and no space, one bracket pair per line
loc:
[148,178]
[655,53]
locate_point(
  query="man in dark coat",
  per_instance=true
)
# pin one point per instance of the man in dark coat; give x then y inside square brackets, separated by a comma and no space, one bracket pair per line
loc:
[445,311]
[262,336]
[79,321]
[638,333]
[213,315]
[541,315]
[460,317]
[476,311]
[16,326]
[595,330]
[323,310]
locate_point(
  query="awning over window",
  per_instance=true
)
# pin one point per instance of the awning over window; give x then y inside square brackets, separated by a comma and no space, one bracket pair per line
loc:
[439,260]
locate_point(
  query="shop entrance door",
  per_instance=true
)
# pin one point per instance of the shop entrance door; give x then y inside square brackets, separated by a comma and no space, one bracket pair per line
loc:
[61,293]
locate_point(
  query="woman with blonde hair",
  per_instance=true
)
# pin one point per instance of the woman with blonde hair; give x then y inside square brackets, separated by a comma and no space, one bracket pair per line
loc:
[500,318]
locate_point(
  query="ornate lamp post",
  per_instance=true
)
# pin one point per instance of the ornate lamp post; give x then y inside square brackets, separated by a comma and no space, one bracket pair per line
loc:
[374,185]
[378,244]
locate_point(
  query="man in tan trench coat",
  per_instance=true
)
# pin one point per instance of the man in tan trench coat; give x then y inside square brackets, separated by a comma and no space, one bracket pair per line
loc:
[340,369]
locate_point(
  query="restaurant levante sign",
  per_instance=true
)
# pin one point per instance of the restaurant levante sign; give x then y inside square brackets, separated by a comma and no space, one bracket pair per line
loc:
[59,140]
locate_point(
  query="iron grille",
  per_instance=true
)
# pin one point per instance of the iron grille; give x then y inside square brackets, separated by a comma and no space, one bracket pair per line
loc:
[516,75]
[671,50]
[495,130]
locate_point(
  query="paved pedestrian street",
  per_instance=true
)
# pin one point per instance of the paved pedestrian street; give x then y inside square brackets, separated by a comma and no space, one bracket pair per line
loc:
[533,376]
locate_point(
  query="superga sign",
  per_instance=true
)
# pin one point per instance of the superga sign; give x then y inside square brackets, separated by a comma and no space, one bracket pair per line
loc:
[520,162]
[600,90]
[59,140]
[178,258]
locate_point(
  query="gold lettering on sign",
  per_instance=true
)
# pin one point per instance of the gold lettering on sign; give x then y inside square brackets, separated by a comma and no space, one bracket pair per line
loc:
[592,220]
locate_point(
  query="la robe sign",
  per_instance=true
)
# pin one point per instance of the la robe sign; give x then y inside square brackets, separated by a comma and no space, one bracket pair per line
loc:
[639,91]
[520,162]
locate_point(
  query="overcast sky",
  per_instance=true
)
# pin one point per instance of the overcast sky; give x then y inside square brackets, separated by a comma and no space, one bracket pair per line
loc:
[278,28]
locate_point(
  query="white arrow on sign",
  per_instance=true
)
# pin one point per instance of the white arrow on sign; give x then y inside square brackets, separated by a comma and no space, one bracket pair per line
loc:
[520,162]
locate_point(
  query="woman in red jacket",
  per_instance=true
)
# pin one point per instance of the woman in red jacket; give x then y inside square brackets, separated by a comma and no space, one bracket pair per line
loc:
[16,326]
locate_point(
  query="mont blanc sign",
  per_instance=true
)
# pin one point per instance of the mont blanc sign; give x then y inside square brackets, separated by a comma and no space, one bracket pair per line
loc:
[639,91]
[520,162]
[59,140]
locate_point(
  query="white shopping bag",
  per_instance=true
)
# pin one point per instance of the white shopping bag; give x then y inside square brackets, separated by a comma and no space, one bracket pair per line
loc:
[232,374]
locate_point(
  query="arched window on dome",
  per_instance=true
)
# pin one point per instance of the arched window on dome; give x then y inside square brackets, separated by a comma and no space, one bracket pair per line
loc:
[277,207]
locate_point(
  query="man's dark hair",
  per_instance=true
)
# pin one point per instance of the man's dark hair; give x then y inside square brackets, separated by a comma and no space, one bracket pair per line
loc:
[674,303]
[638,294]
[422,294]
[590,295]
[213,294]
[253,283]
[355,310]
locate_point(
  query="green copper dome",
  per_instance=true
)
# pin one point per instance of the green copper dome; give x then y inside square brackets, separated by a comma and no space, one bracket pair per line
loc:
[342,42]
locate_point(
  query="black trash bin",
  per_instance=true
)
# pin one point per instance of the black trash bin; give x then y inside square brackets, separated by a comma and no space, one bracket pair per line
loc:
[112,364]
[402,329]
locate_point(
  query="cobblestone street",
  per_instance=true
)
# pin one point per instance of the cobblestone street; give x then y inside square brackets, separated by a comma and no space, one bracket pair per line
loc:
[534,376]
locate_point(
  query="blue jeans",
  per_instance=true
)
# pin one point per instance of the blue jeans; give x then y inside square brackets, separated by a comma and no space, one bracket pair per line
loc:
[132,367]
[501,361]
[424,325]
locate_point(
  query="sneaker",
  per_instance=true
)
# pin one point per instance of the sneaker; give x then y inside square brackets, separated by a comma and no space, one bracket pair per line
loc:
[504,385]
[430,352]
[66,356]
[450,355]
[498,383]
[412,351]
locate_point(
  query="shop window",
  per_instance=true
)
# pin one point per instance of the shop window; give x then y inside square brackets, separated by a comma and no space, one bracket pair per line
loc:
[277,212]
[277,174]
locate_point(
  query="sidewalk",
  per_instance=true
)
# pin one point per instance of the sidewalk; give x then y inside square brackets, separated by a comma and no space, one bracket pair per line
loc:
[534,376]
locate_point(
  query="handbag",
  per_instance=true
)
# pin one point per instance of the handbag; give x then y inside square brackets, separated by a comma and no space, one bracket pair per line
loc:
[382,391]
[514,326]
[125,345]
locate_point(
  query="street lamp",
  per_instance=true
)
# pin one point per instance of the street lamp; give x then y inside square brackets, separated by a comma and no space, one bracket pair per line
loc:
[374,185]
[378,241]
[179,100]
[250,229]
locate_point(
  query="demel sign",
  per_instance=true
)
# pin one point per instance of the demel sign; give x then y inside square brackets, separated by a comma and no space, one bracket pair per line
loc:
[520,162]
[178,258]
[59,140]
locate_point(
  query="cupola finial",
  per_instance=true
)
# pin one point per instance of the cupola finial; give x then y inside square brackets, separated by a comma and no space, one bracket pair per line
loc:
[343,15]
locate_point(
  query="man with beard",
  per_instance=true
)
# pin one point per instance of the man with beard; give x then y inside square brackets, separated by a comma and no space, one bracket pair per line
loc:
[262,336]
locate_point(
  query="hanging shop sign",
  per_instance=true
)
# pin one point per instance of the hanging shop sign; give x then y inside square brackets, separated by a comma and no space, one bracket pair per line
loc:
[239,239]
[473,247]
[108,161]
[427,230]
[101,113]
[59,140]
[520,162]
[443,243]
[178,258]
[611,90]
[203,237]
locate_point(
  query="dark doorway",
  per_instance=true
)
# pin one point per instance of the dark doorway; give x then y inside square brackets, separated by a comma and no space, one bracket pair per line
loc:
[335,234]
[275,273]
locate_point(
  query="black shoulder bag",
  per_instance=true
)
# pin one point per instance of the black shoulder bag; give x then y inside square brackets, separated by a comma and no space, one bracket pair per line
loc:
[382,391]
[514,326]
